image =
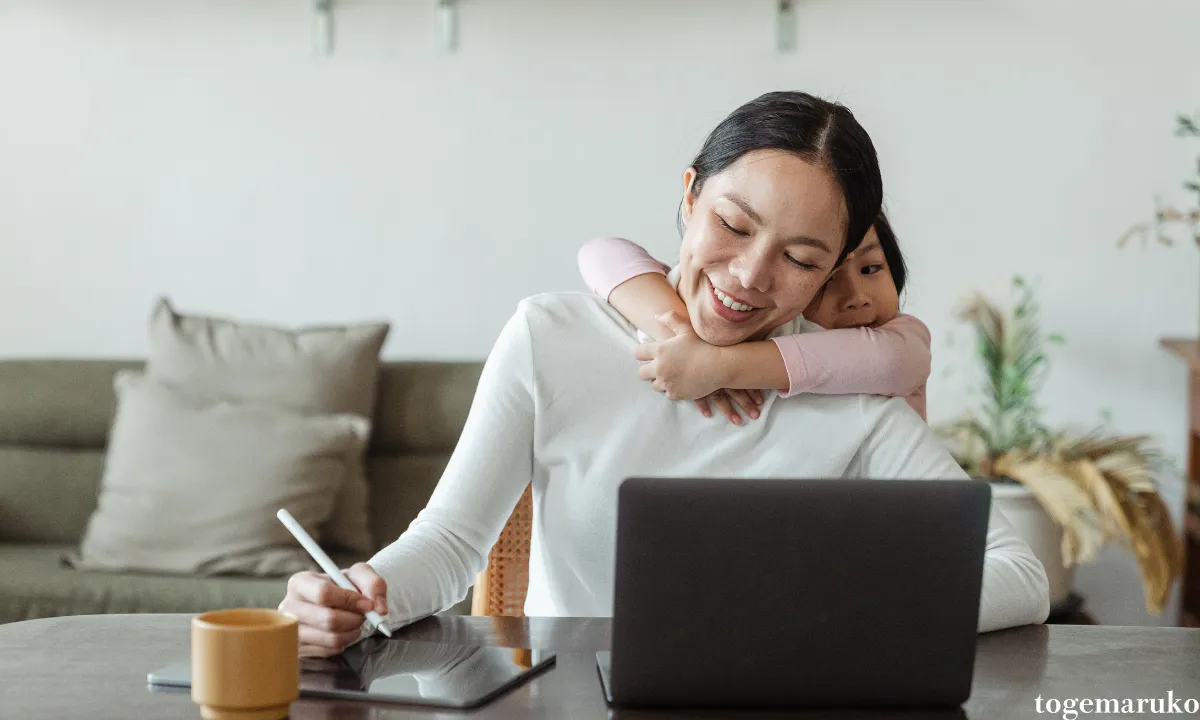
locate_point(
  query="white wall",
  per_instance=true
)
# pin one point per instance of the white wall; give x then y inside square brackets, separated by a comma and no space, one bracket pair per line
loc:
[198,149]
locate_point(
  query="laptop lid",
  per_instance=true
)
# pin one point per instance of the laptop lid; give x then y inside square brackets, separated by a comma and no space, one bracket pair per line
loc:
[797,592]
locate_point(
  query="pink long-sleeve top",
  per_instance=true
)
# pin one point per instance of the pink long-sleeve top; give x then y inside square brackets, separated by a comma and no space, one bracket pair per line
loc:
[892,359]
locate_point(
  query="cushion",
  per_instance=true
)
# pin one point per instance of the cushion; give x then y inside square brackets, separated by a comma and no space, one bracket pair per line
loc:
[192,486]
[314,370]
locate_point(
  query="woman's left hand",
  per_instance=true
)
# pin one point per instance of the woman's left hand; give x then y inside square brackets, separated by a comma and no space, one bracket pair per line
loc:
[683,367]
[729,401]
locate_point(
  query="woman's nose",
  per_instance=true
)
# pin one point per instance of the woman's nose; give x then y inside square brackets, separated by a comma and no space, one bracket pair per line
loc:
[752,270]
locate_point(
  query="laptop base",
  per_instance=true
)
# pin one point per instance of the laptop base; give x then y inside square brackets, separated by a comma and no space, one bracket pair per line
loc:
[604,666]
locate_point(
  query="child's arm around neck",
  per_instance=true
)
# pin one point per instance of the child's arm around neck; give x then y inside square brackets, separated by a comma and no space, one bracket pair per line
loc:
[634,283]
[892,359]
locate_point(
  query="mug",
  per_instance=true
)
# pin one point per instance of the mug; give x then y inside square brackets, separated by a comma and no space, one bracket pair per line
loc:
[245,664]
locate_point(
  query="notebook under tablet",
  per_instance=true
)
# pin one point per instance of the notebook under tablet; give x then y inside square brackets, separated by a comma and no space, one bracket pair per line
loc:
[740,592]
[400,671]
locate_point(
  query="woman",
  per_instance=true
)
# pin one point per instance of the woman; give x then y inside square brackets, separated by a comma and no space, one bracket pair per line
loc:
[783,189]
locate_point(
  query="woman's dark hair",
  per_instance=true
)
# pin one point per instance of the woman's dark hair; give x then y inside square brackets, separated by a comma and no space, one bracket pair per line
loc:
[818,131]
[891,251]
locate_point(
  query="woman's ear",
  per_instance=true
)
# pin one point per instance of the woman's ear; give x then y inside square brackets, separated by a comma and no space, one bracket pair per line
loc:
[689,198]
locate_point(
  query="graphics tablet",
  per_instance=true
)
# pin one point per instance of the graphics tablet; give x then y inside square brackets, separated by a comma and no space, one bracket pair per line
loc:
[401,671]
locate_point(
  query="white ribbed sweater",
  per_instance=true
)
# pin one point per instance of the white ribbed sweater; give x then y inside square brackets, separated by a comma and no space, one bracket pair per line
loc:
[560,404]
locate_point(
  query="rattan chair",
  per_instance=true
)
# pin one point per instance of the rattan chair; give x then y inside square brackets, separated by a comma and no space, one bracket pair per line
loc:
[500,589]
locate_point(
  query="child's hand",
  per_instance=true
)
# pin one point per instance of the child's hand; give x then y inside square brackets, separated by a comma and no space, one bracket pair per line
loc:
[683,367]
[749,401]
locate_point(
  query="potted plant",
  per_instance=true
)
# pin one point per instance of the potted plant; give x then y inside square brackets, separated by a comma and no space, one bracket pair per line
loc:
[1067,494]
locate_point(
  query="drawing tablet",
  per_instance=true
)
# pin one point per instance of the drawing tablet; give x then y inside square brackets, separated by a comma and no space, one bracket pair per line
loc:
[401,671]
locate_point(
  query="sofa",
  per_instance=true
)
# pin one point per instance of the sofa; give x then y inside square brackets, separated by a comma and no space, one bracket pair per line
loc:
[55,416]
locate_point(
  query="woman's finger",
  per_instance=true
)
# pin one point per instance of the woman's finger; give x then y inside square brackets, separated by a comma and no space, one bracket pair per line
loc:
[323,618]
[725,407]
[326,642]
[745,402]
[702,406]
[320,590]
[758,396]
[369,583]
[644,352]
[647,371]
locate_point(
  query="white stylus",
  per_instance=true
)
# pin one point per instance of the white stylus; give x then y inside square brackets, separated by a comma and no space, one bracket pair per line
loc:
[330,568]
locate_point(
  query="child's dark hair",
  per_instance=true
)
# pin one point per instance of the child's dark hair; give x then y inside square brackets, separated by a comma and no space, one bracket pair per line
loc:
[891,251]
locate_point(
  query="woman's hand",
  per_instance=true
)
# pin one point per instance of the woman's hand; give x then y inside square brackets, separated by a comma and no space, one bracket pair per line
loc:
[748,401]
[685,367]
[331,617]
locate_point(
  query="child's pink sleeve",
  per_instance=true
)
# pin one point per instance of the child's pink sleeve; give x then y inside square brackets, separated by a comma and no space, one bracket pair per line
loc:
[892,359]
[607,262]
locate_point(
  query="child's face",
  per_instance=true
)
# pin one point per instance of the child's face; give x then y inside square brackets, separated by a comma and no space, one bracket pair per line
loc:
[860,293]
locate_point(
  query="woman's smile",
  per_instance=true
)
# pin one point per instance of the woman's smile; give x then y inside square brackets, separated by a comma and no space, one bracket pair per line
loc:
[728,306]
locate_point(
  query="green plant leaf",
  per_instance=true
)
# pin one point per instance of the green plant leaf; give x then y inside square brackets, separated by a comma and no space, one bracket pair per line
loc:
[1009,349]
[1056,339]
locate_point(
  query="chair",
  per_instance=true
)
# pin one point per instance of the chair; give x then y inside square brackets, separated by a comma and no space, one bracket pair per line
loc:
[500,589]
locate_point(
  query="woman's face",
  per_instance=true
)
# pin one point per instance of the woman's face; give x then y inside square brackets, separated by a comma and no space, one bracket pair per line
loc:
[860,293]
[760,240]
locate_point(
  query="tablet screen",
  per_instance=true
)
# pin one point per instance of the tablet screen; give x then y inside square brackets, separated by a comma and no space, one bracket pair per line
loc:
[412,672]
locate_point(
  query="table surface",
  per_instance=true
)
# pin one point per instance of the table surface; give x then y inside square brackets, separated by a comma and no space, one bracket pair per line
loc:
[95,667]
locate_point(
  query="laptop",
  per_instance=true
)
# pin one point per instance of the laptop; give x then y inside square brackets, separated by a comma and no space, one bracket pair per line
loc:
[796,593]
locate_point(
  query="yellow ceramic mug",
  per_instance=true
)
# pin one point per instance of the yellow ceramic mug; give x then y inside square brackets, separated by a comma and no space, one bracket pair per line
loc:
[245,664]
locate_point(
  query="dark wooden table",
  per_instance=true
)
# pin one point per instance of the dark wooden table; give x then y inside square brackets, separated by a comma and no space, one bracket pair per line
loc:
[95,667]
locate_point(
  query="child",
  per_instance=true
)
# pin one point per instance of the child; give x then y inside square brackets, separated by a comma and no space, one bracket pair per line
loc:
[869,347]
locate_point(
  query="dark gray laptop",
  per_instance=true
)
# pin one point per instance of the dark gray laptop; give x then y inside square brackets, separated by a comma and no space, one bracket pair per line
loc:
[750,592]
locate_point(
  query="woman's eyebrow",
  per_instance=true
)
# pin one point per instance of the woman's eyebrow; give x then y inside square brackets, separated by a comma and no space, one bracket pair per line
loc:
[745,206]
[810,242]
[801,240]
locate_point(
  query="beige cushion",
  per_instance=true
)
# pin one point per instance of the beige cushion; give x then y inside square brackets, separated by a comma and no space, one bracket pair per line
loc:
[315,370]
[192,486]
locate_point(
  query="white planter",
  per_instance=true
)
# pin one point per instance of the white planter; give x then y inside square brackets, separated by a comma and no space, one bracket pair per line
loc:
[1036,528]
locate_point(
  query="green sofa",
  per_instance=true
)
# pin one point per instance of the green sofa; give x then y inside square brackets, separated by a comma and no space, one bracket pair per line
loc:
[54,421]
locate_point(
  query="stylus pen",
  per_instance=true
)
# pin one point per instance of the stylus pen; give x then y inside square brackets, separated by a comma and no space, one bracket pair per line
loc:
[329,566]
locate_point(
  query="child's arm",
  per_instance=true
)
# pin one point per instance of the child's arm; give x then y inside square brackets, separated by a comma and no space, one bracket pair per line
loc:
[892,359]
[756,365]
[631,281]
[634,283]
